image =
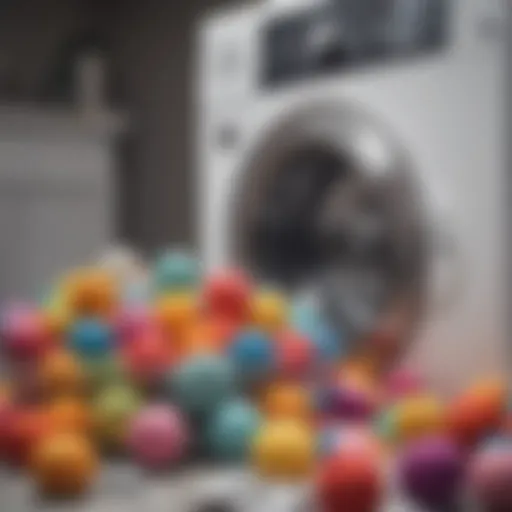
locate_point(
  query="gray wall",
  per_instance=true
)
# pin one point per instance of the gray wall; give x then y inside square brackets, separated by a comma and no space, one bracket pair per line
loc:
[31,33]
[151,59]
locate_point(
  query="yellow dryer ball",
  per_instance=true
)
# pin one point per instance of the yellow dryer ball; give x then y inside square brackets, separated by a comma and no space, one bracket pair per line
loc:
[284,449]
[112,412]
[64,464]
[418,416]
[57,320]
[269,310]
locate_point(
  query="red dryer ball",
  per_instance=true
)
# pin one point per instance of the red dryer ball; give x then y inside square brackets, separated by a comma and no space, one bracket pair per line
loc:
[349,481]
[227,294]
[6,415]
[295,355]
[148,358]
[24,428]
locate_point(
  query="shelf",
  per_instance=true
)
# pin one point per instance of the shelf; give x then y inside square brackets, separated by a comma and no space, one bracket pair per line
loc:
[41,122]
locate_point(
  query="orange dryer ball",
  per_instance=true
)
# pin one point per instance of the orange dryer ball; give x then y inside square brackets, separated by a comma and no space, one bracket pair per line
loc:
[61,374]
[64,464]
[269,310]
[418,416]
[476,414]
[361,369]
[495,393]
[349,481]
[211,334]
[70,415]
[494,386]
[284,449]
[176,313]
[357,375]
[92,292]
[200,338]
[25,428]
[288,400]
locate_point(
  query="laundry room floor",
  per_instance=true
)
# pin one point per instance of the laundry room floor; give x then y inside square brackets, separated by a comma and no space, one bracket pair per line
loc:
[122,488]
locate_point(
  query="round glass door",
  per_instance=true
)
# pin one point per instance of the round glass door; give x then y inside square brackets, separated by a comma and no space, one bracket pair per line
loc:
[328,203]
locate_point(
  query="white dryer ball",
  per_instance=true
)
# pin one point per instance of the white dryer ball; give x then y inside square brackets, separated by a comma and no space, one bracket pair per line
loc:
[123,262]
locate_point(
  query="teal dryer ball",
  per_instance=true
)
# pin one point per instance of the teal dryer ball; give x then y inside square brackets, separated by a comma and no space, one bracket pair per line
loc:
[176,270]
[200,384]
[232,429]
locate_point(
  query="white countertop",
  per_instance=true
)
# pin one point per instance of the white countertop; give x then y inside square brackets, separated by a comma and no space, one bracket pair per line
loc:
[123,488]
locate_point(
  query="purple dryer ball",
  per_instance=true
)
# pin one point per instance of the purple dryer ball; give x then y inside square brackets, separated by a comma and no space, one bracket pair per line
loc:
[431,471]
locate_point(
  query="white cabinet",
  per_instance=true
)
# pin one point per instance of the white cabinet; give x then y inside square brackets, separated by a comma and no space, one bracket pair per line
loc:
[57,195]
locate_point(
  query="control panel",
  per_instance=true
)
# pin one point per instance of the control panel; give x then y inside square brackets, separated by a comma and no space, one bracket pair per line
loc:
[342,34]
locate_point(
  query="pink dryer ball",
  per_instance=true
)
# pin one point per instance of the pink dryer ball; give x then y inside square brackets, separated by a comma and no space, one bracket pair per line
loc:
[130,323]
[401,383]
[490,479]
[158,437]
[24,334]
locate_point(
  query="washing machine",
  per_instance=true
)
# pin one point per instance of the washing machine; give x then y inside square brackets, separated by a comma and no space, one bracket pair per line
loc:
[356,150]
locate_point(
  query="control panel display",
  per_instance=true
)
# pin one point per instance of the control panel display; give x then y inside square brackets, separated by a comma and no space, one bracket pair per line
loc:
[343,34]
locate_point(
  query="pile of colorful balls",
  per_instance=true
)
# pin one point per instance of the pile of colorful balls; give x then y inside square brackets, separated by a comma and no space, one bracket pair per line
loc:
[172,365]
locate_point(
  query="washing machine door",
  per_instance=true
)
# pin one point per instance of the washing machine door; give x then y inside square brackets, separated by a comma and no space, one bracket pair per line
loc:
[328,203]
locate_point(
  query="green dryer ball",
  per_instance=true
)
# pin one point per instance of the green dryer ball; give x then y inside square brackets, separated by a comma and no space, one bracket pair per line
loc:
[113,411]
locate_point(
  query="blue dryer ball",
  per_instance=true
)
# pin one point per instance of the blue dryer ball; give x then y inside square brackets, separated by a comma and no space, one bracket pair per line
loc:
[176,270]
[232,429]
[304,316]
[91,338]
[329,343]
[253,354]
[200,384]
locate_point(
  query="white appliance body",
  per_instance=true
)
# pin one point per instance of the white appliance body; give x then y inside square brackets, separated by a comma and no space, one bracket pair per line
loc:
[447,109]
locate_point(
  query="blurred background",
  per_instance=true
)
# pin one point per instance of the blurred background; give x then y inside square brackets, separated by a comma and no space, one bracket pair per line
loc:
[354,153]
[97,136]
[95,98]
